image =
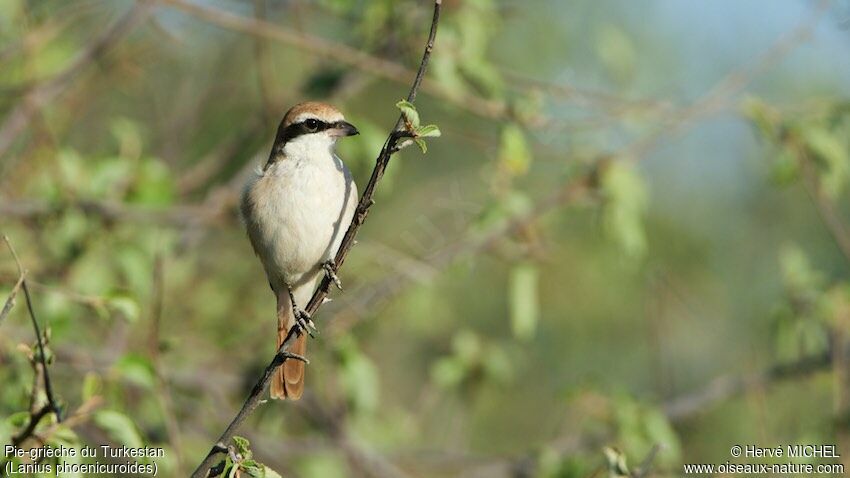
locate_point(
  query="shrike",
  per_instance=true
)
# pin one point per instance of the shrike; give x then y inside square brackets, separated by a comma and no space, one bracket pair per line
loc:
[296,209]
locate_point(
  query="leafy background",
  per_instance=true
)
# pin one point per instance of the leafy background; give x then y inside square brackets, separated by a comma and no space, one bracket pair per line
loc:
[687,288]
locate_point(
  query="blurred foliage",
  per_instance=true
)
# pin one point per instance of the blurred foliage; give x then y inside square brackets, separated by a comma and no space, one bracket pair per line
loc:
[549,352]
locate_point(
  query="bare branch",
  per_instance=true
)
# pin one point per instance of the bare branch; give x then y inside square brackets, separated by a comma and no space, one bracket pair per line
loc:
[727,386]
[48,389]
[366,201]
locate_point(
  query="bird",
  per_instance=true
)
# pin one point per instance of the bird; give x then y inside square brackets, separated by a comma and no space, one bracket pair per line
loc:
[296,209]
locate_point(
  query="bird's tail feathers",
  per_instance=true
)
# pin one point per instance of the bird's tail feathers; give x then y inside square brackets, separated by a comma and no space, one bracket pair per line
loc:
[288,379]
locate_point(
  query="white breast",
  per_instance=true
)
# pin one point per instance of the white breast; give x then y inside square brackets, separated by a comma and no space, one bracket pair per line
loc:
[296,212]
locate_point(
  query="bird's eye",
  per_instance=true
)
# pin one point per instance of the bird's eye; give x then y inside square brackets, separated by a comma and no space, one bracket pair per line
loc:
[312,124]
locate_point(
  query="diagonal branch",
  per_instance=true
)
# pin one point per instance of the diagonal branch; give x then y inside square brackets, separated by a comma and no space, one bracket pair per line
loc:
[51,405]
[391,146]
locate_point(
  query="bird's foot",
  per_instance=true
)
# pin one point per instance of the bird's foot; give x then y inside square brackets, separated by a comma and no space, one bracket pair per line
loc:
[284,355]
[304,321]
[330,270]
[302,318]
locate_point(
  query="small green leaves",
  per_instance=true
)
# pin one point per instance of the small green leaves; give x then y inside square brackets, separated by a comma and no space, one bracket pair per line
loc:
[802,323]
[119,427]
[245,464]
[817,138]
[429,131]
[136,369]
[243,446]
[626,202]
[92,386]
[830,150]
[411,116]
[522,297]
[422,144]
[124,304]
[412,126]
[514,152]
[615,462]
[471,361]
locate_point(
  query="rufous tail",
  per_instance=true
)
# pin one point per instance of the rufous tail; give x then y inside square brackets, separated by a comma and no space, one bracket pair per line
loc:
[288,380]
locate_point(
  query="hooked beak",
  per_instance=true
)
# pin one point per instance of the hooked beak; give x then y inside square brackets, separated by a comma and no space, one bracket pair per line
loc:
[343,128]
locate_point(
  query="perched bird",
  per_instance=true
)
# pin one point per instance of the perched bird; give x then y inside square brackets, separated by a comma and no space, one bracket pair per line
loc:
[296,209]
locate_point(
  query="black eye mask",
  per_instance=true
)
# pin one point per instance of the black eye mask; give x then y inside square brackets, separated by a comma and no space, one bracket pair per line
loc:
[308,126]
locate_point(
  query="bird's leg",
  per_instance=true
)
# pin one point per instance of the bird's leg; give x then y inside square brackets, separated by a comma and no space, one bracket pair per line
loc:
[330,270]
[302,318]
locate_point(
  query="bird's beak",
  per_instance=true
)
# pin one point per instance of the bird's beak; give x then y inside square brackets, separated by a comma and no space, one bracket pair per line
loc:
[343,128]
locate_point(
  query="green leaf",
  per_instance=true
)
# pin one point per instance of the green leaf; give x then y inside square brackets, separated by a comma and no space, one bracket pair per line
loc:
[514,152]
[616,462]
[243,445]
[18,419]
[119,427]
[832,153]
[797,272]
[523,300]
[761,116]
[785,168]
[72,171]
[154,184]
[627,199]
[92,386]
[422,145]
[126,132]
[498,364]
[136,369]
[660,432]
[448,372]
[467,347]
[409,112]
[269,473]
[429,131]
[251,467]
[109,177]
[124,304]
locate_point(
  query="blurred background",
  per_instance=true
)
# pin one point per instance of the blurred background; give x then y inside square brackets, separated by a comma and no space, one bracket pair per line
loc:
[633,232]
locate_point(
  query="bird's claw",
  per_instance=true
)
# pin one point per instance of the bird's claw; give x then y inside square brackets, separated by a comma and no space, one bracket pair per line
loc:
[330,271]
[305,322]
[289,355]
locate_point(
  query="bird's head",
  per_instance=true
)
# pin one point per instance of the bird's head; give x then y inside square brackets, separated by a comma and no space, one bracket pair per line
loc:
[311,127]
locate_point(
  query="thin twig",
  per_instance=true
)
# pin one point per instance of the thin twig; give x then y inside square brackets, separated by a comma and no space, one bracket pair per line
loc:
[646,465]
[366,201]
[34,420]
[48,389]
[10,301]
[726,386]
